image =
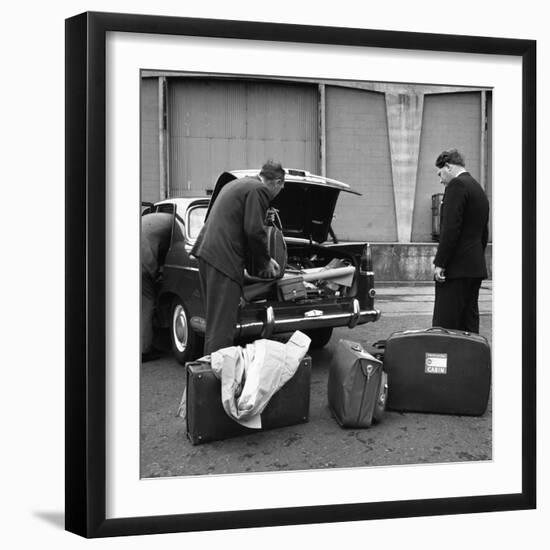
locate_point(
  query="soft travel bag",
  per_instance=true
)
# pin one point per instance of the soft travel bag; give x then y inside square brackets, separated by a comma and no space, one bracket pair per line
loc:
[357,386]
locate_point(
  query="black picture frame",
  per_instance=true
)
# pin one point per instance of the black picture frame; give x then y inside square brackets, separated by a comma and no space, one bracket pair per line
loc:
[86,262]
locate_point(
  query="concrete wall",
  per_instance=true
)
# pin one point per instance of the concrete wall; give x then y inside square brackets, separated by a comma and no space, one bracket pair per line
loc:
[381,138]
[409,262]
[405,125]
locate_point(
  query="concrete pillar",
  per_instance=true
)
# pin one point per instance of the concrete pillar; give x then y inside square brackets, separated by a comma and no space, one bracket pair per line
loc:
[404,112]
[483,144]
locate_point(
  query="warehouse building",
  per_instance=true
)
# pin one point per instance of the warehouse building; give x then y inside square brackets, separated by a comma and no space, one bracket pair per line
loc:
[381,138]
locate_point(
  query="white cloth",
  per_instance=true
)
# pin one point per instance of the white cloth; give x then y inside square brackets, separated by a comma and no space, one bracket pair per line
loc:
[251,375]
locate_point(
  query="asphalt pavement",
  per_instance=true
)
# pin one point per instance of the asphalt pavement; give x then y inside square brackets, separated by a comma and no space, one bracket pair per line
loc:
[400,438]
[401,300]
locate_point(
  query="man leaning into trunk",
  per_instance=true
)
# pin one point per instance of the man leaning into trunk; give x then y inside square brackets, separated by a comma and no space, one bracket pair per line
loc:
[234,231]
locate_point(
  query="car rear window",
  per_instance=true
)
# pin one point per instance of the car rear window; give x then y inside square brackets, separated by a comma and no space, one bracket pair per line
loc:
[196,220]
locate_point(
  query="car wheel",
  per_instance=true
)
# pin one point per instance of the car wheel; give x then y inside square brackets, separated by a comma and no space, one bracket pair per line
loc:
[319,336]
[184,338]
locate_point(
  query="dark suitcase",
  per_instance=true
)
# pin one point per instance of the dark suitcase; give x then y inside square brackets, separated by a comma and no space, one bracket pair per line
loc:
[291,289]
[357,386]
[438,371]
[208,421]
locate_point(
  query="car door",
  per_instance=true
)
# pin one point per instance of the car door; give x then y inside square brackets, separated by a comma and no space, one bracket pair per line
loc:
[180,273]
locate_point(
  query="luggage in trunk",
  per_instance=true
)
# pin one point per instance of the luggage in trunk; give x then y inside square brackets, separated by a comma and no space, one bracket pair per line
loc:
[438,371]
[276,246]
[291,289]
[208,421]
[357,386]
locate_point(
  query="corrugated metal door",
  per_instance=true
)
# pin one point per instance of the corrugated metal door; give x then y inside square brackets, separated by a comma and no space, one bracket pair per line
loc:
[489,182]
[218,125]
[358,153]
[449,121]
[150,178]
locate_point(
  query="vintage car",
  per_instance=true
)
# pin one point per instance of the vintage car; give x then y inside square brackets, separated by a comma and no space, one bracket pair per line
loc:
[306,208]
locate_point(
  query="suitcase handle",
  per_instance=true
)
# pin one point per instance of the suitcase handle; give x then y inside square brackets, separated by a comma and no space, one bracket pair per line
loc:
[466,333]
[438,329]
[272,218]
[379,344]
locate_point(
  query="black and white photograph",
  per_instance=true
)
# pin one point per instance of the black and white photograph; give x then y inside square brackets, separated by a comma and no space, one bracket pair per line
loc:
[316,273]
[275,275]
[300,276]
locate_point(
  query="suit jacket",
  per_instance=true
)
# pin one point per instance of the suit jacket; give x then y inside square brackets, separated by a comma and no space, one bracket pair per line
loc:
[234,229]
[464,229]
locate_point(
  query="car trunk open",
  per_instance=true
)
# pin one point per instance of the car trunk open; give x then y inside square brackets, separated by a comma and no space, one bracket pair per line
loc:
[313,272]
[306,208]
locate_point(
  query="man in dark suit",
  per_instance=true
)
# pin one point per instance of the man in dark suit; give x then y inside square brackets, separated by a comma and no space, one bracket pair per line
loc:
[234,232]
[460,259]
[156,229]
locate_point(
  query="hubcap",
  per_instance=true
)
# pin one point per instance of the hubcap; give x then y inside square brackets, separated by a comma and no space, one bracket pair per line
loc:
[180,331]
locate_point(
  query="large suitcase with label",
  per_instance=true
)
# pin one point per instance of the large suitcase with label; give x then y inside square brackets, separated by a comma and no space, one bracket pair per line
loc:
[438,371]
[208,421]
[357,386]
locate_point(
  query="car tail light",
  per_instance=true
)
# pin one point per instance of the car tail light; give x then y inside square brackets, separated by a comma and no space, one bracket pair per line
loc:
[366,290]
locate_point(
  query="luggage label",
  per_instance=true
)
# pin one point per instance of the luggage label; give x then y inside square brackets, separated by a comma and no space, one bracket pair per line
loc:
[436,363]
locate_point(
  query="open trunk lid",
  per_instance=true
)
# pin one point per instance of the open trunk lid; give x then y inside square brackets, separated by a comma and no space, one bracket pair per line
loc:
[306,204]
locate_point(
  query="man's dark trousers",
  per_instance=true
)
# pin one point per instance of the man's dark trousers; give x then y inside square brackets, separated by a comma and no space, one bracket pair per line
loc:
[221,296]
[456,304]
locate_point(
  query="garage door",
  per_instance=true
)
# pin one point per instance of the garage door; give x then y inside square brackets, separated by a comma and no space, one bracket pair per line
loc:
[150,179]
[449,121]
[358,153]
[218,125]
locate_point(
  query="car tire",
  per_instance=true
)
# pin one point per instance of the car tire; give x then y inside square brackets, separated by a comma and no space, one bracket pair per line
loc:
[183,337]
[319,337]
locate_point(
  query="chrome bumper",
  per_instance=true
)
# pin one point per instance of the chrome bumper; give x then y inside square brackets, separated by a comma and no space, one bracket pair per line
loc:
[271,324]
